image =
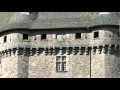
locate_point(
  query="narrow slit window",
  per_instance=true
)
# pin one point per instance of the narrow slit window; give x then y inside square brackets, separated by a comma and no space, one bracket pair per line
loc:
[35,38]
[25,36]
[5,39]
[118,34]
[43,36]
[78,35]
[96,34]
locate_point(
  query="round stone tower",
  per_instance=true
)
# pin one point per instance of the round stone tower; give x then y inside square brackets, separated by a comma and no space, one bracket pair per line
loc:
[59,44]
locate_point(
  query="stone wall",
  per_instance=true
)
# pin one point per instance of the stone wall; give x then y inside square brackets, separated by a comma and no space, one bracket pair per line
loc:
[112,64]
[9,67]
[97,64]
[44,66]
[107,36]
[35,58]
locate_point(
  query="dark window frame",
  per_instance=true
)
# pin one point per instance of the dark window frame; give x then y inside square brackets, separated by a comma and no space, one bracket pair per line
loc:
[25,36]
[78,36]
[96,34]
[118,34]
[61,64]
[43,36]
[5,39]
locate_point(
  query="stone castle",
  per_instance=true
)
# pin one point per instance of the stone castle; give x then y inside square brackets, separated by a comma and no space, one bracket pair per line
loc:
[59,45]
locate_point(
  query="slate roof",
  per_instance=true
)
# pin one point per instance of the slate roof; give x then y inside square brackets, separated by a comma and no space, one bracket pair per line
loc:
[46,20]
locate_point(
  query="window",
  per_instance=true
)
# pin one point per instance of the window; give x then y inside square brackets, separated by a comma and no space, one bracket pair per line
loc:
[104,13]
[5,39]
[118,34]
[25,13]
[61,36]
[25,36]
[43,36]
[78,35]
[96,34]
[60,63]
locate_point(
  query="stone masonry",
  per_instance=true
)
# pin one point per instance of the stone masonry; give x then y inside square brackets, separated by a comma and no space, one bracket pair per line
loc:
[59,51]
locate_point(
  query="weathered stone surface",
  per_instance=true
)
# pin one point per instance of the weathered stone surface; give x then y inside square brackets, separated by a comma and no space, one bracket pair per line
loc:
[86,57]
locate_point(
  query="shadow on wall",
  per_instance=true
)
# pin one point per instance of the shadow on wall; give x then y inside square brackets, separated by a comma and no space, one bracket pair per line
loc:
[111,65]
[23,63]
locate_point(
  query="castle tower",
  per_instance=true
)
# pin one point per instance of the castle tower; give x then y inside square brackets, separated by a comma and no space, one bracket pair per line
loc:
[59,45]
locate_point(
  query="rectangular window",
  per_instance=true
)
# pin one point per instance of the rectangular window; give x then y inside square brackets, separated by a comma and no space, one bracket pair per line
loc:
[118,34]
[5,39]
[61,37]
[43,36]
[25,36]
[96,34]
[78,35]
[61,63]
